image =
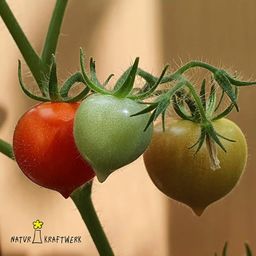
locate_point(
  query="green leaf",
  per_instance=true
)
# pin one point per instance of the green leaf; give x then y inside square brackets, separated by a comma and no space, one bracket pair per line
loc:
[128,83]
[25,90]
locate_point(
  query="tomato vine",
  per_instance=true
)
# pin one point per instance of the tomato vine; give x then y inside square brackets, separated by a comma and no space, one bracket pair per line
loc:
[179,93]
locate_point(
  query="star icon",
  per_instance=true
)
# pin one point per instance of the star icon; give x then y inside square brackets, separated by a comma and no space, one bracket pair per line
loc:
[37,224]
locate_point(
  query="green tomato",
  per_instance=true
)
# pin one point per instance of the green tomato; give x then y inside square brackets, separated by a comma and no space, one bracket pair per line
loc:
[107,136]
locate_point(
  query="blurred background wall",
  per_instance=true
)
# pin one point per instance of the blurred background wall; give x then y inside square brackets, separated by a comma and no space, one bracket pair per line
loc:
[138,219]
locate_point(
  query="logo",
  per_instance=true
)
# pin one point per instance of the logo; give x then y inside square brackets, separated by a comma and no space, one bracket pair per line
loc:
[37,225]
[39,238]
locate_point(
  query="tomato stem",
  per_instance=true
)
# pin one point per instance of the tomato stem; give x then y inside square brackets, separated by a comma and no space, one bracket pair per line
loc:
[6,149]
[39,67]
[53,33]
[83,201]
[32,59]
[189,65]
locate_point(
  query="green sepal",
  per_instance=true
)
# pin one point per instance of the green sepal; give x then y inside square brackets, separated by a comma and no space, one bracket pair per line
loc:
[163,120]
[78,97]
[190,103]
[225,138]
[25,90]
[152,88]
[94,87]
[107,80]
[220,100]
[149,78]
[200,140]
[203,93]
[227,110]
[53,82]
[211,102]
[161,108]
[93,73]
[224,113]
[147,109]
[178,107]
[122,79]
[238,82]
[128,83]
[161,104]
[208,130]
[222,79]
[213,135]
[67,85]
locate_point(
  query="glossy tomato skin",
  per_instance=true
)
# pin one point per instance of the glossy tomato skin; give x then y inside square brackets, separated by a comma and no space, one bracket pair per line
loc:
[106,134]
[45,150]
[187,177]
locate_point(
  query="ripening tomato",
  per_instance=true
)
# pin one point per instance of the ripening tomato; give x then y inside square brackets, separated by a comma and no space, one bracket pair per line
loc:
[45,150]
[107,136]
[187,177]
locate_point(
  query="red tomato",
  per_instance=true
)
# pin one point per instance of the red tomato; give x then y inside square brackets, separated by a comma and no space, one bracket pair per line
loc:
[45,150]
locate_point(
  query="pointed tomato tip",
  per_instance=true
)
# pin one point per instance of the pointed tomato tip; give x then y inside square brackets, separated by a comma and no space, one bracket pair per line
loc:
[198,211]
[101,177]
[65,194]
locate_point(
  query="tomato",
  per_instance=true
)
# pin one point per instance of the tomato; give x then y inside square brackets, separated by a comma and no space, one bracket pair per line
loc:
[107,136]
[187,177]
[45,150]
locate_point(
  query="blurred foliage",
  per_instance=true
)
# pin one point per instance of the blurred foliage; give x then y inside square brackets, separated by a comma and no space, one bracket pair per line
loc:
[225,250]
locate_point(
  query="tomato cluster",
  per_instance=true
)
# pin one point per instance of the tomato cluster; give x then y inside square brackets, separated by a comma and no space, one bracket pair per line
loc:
[195,159]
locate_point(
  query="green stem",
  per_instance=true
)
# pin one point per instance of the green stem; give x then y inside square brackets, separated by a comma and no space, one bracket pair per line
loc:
[6,149]
[191,64]
[53,33]
[32,59]
[83,202]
